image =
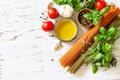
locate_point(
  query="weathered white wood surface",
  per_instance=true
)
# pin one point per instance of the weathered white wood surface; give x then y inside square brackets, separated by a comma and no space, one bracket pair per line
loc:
[26,51]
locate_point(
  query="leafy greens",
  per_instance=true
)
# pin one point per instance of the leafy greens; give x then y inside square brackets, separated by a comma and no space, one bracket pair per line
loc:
[101,53]
[76,3]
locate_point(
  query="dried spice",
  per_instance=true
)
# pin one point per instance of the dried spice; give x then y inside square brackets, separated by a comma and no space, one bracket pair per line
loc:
[58,46]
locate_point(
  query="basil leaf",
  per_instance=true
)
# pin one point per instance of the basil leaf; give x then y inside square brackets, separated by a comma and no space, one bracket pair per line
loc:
[81,0]
[96,20]
[98,37]
[102,30]
[112,31]
[98,56]
[107,64]
[98,47]
[90,4]
[103,62]
[70,2]
[104,10]
[94,68]
[95,12]
[78,1]
[98,64]
[76,5]
[108,57]
[108,37]
[106,47]
[88,16]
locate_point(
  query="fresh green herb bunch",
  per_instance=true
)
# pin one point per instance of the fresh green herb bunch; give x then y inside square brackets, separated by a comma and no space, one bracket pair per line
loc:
[89,4]
[96,16]
[76,3]
[101,53]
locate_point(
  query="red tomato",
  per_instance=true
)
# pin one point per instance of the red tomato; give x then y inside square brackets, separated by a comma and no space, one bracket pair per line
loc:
[100,4]
[47,26]
[53,13]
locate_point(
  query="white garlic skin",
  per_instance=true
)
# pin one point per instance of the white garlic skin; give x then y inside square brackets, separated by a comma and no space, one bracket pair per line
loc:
[66,11]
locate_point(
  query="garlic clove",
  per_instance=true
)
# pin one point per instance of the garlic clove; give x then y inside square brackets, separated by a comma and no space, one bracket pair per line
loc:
[58,46]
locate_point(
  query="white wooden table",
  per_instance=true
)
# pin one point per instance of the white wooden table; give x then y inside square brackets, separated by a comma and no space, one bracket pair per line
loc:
[26,51]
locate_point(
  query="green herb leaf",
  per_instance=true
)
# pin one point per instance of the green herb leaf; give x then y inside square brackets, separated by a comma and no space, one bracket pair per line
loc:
[103,61]
[98,47]
[108,38]
[108,57]
[98,63]
[107,64]
[102,30]
[112,31]
[60,2]
[88,16]
[98,37]
[78,1]
[98,56]
[106,47]
[94,68]
[104,10]
[95,12]
[76,5]
[90,4]
[96,20]
[70,2]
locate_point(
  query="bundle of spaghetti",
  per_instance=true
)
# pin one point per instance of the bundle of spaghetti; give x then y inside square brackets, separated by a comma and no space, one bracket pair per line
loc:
[79,47]
[78,63]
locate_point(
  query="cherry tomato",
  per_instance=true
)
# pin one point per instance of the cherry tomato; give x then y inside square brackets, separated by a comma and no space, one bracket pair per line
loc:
[47,26]
[53,13]
[100,4]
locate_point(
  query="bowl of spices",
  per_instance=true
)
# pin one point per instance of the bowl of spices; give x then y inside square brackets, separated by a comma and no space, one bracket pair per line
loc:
[83,21]
[65,30]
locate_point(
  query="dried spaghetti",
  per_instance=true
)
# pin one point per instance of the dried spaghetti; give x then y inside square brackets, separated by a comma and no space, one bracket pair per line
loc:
[71,55]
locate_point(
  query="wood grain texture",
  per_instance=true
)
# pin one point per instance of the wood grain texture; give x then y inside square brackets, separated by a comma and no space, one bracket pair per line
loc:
[27,52]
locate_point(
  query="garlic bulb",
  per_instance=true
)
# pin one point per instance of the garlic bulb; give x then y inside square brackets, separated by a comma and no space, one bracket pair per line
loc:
[66,11]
